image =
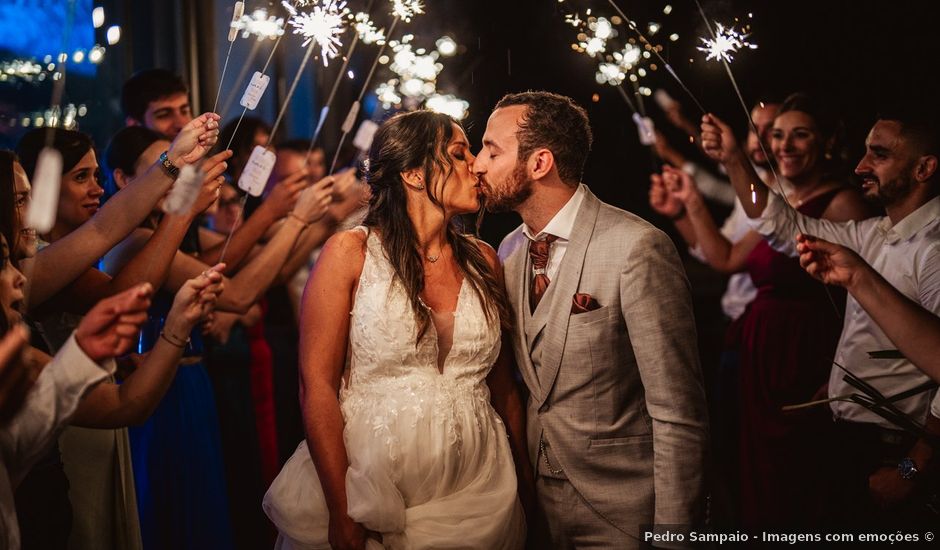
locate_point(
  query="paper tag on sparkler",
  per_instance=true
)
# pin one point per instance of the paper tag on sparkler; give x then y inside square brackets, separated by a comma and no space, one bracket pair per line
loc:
[364,135]
[256,173]
[645,128]
[45,198]
[254,91]
[351,118]
[664,100]
[237,13]
[184,192]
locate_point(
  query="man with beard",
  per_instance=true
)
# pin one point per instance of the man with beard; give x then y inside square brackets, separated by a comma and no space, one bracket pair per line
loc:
[880,473]
[604,336]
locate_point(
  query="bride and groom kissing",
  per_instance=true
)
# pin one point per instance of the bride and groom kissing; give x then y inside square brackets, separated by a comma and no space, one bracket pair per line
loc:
[416,434]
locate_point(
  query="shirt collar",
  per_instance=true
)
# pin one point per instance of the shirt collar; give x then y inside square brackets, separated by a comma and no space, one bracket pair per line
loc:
[562,224]
[928,212]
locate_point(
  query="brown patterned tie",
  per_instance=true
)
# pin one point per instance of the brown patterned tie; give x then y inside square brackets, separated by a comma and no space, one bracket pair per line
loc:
[538,252]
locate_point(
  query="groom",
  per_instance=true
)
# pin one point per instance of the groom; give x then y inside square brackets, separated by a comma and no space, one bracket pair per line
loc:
[604,336]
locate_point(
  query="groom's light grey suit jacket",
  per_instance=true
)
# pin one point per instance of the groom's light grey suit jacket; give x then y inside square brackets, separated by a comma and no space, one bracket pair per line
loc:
[618,392]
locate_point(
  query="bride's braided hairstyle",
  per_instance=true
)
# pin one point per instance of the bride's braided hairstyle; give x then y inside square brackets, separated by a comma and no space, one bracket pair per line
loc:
[419,140]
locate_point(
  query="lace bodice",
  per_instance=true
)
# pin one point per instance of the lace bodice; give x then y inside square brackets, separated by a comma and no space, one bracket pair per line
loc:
[383,331]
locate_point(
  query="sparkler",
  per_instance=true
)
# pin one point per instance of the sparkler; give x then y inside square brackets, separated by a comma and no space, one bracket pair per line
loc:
[366,32]
[725,59]
[237,11]
[323,25]
[655,51]
[366,29]
[406,9]
[726,42]
[260,24]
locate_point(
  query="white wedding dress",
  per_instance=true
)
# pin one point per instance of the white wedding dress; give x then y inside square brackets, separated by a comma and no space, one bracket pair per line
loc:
[429,461]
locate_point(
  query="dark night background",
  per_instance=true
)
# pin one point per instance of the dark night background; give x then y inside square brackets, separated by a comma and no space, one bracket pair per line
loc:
[857,55]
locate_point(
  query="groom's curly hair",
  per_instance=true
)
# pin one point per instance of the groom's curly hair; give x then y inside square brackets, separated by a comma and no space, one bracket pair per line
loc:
[554,122]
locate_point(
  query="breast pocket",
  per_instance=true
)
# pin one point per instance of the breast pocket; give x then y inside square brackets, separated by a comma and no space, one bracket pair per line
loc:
[589,317]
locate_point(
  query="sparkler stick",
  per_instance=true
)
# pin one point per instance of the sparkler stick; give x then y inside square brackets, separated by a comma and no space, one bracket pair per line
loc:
[329,100]
[321,28]
[655,51]
[354,109]
[50,159]
[237,13]
[724,57]
[241,75]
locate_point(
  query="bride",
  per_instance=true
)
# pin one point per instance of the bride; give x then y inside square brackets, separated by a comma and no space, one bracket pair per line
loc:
[402,369]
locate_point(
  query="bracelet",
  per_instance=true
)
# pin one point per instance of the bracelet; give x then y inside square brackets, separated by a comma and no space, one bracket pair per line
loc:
[178,344]
[298,218]
[680,214]
[171,169]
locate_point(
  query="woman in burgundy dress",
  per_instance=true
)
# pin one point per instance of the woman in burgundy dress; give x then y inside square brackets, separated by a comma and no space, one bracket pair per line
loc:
[790,331]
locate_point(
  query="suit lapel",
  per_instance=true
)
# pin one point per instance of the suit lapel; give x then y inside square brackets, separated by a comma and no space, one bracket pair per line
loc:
[567,279]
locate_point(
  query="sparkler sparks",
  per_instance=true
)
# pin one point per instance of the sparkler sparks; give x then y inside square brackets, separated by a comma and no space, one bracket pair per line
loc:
[323,24]
[367,30]
[727,42]
[406,9]
[260,24]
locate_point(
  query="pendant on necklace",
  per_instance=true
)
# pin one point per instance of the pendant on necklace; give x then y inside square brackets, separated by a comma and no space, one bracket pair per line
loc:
[432,259]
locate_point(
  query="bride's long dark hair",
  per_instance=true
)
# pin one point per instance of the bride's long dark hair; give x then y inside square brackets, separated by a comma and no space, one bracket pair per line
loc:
[407,141]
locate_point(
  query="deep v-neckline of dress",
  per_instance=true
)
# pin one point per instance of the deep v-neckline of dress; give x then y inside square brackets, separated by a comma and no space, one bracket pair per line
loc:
[441,363]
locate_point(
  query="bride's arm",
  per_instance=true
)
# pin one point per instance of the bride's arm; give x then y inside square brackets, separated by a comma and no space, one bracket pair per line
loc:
[505,397]
[324,333]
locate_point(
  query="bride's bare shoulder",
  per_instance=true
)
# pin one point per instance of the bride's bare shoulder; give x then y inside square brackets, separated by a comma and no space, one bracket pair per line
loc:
[344,253]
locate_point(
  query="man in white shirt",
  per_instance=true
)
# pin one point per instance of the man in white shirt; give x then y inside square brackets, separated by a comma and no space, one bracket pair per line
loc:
[899,171]
[109,329]
[604,336]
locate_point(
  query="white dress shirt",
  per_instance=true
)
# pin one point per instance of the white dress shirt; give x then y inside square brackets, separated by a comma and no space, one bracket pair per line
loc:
[907,255]
[561,226]
[48,407]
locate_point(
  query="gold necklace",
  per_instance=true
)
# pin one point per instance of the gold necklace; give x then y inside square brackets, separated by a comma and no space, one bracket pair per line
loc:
[432,259]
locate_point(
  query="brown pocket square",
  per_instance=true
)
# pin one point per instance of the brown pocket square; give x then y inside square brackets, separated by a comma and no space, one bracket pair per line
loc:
[582,303]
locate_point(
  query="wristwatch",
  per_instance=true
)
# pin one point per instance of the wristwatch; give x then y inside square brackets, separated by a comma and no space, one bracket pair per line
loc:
[170,168]
[907,468]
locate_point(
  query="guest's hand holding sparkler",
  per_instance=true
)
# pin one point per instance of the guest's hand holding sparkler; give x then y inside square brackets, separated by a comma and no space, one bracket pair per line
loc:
[193,302]
[349,194]
[662,201]
[719,143]
[194,140]
[111,327]
[682,187]
[913,329]
[214,168]
[314,201]
[284,194]
[718,140]
[831,263]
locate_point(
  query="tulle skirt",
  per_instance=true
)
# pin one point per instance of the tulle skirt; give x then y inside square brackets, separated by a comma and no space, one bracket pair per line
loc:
[430,467]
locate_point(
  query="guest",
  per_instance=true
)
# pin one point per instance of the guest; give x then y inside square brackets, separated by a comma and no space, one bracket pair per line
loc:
[178,465]
[899,171]
[156,99]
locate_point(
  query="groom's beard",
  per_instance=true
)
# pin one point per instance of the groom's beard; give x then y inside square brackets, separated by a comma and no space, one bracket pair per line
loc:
[517,190]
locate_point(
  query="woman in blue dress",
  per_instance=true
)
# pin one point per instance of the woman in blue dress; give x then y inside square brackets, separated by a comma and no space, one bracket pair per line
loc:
[178,465]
